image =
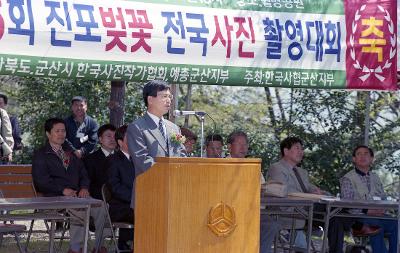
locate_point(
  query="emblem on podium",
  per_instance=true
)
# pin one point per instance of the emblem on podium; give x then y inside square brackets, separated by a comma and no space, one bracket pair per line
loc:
[222,220]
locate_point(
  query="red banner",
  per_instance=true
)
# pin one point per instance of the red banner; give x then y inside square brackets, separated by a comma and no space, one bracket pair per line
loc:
[371,55]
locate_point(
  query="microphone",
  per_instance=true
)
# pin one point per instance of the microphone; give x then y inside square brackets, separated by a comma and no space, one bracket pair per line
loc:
[178,113]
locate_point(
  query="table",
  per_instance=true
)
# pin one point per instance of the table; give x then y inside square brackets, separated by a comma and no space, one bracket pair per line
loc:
[334,208]
[302,208]
[48,203]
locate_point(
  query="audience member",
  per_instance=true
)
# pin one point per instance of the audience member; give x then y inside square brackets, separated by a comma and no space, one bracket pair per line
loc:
[150,135]
[362,184]
[288,172]
[56,171]
[81,128]
[214,144]
[190,141]
[238,144]
[121,174]
[16,130]
[6,139]
[96,162]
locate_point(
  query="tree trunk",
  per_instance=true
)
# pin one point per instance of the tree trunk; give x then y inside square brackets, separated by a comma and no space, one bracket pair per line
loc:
[279,101]
[117,103]
[270,107]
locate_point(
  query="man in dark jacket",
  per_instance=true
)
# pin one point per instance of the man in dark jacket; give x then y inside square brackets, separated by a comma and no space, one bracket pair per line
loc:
[121,174]
[81,128]
[56,171]
[96,163]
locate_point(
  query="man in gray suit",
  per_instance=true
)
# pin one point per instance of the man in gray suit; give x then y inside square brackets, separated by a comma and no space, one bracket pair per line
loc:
[150,135]
[287,170]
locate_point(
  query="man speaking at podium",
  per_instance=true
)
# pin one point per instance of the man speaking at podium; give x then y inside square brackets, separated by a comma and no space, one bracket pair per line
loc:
[150,135]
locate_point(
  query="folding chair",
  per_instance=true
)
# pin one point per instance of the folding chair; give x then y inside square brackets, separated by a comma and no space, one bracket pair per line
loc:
[11,228]
[115,226]
[14,229]
[64,225]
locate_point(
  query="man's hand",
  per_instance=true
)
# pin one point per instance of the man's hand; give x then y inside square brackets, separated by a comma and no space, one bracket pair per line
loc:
[9,157]
[69,192]
[376,212]
[78,153]
[83,193]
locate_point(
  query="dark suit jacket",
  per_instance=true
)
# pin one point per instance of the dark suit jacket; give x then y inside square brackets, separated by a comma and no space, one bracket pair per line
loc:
[146,142]
[50,176]
[121,174]
[96,165]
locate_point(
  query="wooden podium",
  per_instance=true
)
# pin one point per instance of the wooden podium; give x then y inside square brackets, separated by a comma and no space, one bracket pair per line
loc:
[198,205]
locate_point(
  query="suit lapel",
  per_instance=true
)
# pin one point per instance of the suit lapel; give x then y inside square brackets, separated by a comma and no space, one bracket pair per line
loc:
[153,129]
[291,174]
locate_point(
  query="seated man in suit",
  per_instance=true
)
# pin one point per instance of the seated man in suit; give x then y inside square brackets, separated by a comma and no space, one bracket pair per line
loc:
[57,171]
[121,174]
[96,162]
[359,184]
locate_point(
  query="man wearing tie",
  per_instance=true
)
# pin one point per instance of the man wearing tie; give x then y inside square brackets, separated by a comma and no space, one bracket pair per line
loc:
[150,135]
[288,172]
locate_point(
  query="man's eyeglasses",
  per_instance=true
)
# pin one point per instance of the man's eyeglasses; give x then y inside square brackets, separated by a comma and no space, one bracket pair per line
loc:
[166,96]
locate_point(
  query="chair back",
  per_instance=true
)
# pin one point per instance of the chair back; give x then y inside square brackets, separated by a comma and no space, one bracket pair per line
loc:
[16,181]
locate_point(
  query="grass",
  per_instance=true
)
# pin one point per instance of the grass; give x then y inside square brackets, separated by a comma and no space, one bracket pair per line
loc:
[39,242]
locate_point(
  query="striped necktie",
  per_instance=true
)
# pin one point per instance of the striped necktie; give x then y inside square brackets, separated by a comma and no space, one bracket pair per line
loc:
[161,128]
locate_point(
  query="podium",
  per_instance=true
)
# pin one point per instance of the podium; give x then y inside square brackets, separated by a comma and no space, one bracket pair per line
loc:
[198,205]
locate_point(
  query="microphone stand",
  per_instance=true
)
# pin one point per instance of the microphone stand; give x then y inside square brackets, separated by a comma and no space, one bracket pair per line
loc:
[201,117]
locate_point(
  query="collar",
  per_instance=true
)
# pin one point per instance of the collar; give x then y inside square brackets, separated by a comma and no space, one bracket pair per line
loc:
[77,122]
[155,118]
[105,152]
[126,154]
[287,165]
[361,173]
[55,149]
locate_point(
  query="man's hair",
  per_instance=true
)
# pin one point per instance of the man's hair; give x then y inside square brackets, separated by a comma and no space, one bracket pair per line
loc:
[289,142]
[49,124]
[120,133]
[232,137]
[104,128]
[371,152]
[5,98]
[151,88]
[214,137]
[78,98]
[188,134]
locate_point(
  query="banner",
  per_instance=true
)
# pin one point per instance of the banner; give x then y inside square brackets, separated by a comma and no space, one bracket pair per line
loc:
[278,43]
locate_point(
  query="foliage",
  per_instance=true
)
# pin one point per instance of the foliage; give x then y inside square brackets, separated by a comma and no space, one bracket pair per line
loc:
[41,98]
[331,124]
